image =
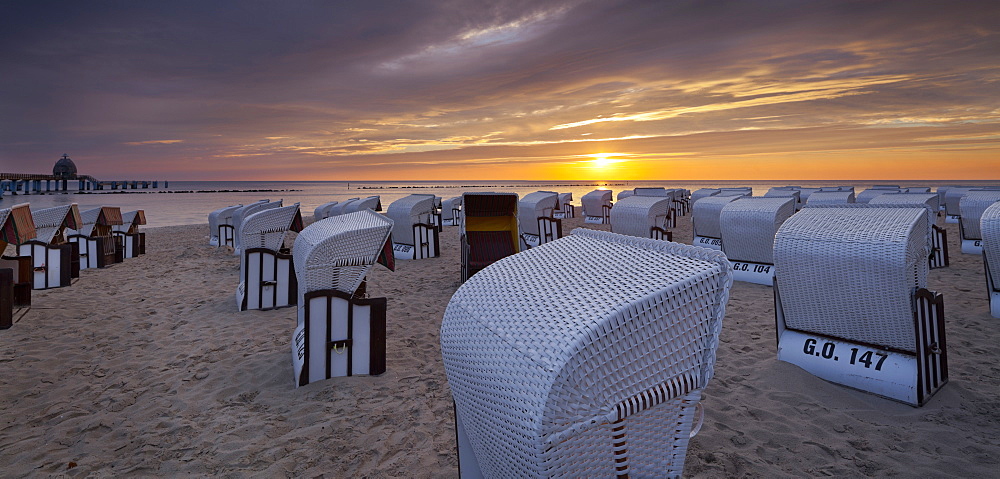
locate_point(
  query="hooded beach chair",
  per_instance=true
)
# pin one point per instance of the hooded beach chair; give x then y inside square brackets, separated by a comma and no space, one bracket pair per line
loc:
[643,216]
[596,207]
[671,221]
[738,191]
[536,218]
[851,300]
[989,226]
[876,190]
[832,197]
[220,226]
[566,208]
[373,203]
[414,234]
[701,193]
[451,211]
[971,208]
[952,198]
[624,194]
[748,226]
[244,212]
[489,230]
[94,238]
[939,236]
[132,240]
[786,192]
[16,227]
[340,330]
[52,257]
[323,211]
[705,220]
[267,275]
[605,383]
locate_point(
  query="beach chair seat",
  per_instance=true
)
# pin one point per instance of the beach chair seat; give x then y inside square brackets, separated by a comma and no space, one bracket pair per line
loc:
[643,216]
[606,383]
[340,331]
[97,247]
[489,230]
[267,273]
[565,209]
[748,226]
[971,208]
[939,236]
[52,258]
[220,226]
[852,303]
[133,241]
[705,224]
[16,227]
[786,192]
[597,207]
[451,211]
[536,218]
[414,234]
[989,226]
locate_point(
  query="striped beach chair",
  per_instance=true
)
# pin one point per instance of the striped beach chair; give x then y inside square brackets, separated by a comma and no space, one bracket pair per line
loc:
[971,208]
[939,236]
[54,261]
[643,216]
[786,192]
[832,197]
[852,303]
[267,274]
[220,226]
[16,227]
[245,211]
[705,220]
[451,211]
[748,226]
[95,241]
[414,234]
[596,207]
[340,329]
[132,240]
[536,218]
[989,226]
[489,230]
[604,384]
[566,208]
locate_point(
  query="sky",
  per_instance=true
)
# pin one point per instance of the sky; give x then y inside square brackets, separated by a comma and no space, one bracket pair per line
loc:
[481,90]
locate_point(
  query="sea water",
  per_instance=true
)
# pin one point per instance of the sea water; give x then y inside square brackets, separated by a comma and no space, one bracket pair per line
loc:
[190,202]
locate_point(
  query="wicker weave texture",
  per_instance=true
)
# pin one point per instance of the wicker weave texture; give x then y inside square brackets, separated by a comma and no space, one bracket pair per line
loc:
[49,221]
[953,197]
[373,203]
[449,206]
[323,210]
[539,204]
[705,215]
[337,252]
[867,195]
[267,228]
[703,192]
[594,202]
[653,192]
[221,216]
[536,373]
[245,211]
[849,272]
[971,207]
[748,226]
[636,215]
[408,211]
[831,197]
[989,225]
[917,199]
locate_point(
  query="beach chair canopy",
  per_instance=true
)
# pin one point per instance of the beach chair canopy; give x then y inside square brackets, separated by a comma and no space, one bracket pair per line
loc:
[739,191]
[805,193]
[636,215]
[539,375]
[654,192]
[972,206]
[877,190]
[831,197]
[565,199]
[98,221]
[748,226]
[323,210]
[989,227]
[784,192]
[449,206]
[850,272]
[16,225]
[50,222]
[540,204]
[837,188]
[595,201]
[221,216]
[624,194]
[929,200]
[408,211]
[337,252]
[373,203]
[131,221]
[703,192]
[952,198]
[705,215]
[244,211]
[268,228]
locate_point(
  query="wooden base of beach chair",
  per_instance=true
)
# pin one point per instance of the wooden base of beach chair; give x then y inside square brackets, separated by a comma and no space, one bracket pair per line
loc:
[268,280]
[939,248]
[50,264]
[604,219]
[132,244]
[708,242]
[427,238]
[750,272]
[90,251]
[660,234]
[116,255]
[904,376]
[549,229]
[992,289]
[972,246]
[6,298]
[568,211]
[952,219]
[74,260]
[338,335]
[483,248]
[20,266]
[227,235]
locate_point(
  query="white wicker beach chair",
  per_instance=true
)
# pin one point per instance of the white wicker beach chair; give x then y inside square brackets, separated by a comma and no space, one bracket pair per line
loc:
[671,221]
[132,241]
[245,211]
[566,208]
[489,230]
[643,216]
[971,208]
[536,220]
[738,191]
[786,192]
[267,274]
[338,208]
[939,236]
[52,258]
[323,211]
[624,194]
[876,190]
[989,226]
[94,239]
[705,220]
[748,226]
[451,211]
[219,236]
[16,227]
[701,193]
[831,198]
[851,300]
[373,203]
[952,199]
[414,234]
[340,330]
[596,206]
[604,384]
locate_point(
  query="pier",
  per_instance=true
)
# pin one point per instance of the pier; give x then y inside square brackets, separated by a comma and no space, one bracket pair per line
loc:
[64,178]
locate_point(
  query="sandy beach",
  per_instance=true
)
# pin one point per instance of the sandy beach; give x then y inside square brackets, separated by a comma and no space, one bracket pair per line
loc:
[146,368]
